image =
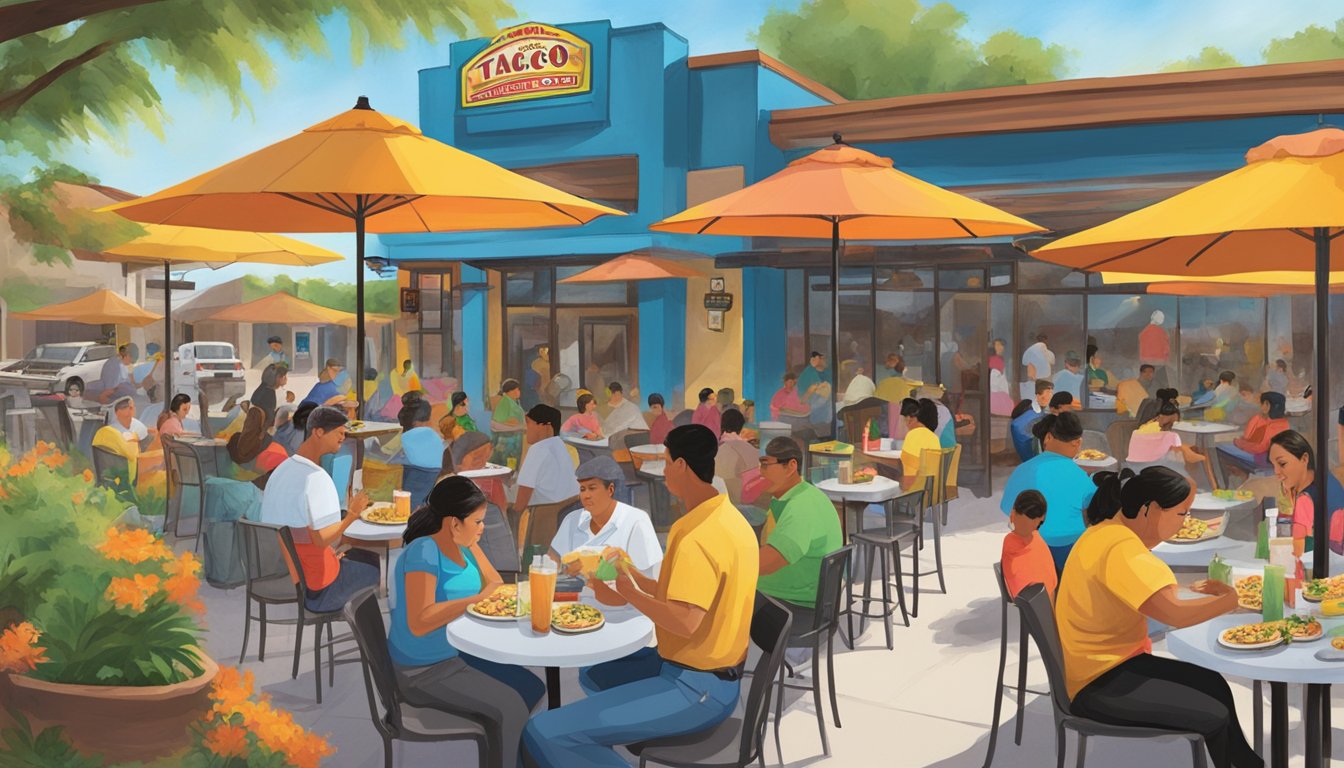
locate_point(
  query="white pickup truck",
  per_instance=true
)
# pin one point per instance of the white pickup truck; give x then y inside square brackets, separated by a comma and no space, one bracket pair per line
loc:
[59,368]
[212,366]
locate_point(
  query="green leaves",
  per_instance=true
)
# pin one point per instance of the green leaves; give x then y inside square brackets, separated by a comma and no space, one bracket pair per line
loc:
[47,749]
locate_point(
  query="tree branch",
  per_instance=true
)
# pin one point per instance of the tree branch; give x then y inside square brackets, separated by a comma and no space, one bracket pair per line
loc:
[11,101]
[36,15]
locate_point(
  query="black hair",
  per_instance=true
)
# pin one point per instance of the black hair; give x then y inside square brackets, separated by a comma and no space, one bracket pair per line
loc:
[447,467]
[928,414]
[910,407]
[411,413]
[1281,364]
[1091,352]
[325,418]
[542,413]
[1128,493]
[451,497]
[732,421]
[614,387]
[300,417]
[1294,443]
[785,449]
[1278,404]
[411,395]
[584,400]
[656,399]
[696,445]
[705,394]
[1168,408]
[459,398]
[274,340]
[1022,407]
[1030,504]
[1061,399]
[1064,427]
[508,385]
[790,376]
[178,401]
[1166,393]
[815,354]
[1043,384]
[1147,367]
[1227,376]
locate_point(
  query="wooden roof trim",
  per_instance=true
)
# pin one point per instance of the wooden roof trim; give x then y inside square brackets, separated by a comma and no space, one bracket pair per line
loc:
[770,63]
[1237,92]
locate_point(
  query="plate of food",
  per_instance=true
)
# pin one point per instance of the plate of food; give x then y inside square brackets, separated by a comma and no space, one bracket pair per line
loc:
[354,425]
[1226,494]
[1303,629]
[500,606]
[382,513]
[1195,530]
[1092,454]
[1334,652]
[862,475]
[1249,592]
[1316,590]
[1252,637]
[575,618]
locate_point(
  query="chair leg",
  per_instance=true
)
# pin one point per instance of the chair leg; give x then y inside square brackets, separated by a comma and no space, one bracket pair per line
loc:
[914,603]
[1197,753]
[387,752]
[938,553]
[900,583]
[1059,745]
[1082,749]
[331,657]
[261,644]
[816,695]
[317,659]
[998,689]
[868,586]
[830,676]
[849,610]
[779,713]
[886,605]
[298,644]
[247,625]
[1021,679]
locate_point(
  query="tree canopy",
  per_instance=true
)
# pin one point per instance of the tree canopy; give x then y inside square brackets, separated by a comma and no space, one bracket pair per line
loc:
[380,296]
[867,50]
[1209,57]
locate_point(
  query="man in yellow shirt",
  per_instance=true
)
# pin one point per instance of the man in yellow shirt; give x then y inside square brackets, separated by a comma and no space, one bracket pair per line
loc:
[701,606]
[117,436]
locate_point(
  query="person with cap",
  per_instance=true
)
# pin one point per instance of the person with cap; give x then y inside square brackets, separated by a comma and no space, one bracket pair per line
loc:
[547,473]
[800,529]
[277,355]
[1070,378]
[700,605]
[606,522]
[660,424]
[302,496]
[118,435]
[329,389]
[707,413]
[273,379]
[421,444]
[506,422]
[624,414]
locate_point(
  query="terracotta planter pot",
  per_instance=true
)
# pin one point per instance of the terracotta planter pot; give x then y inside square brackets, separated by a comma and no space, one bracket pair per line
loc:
[121,723]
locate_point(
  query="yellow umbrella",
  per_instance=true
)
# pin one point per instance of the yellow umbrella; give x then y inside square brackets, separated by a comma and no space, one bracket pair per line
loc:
[1284,208]
[287,310]
[633,266]
[362,171]
[102,307]
[844,192]
[1247,284]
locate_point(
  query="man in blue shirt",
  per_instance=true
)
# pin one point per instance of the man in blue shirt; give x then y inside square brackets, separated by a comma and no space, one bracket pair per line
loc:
[1066,487]
[1070,379]
[327,390]
[1025,414]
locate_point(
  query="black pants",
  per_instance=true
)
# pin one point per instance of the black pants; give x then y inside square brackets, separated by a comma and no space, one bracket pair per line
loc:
[1157,692]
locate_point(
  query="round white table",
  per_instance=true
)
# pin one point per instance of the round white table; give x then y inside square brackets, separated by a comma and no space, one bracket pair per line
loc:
[600,443]
[513,642]
[489,470]
[1297,406]
[855,496]
[650,450]
[381,539]
[656,469]
[1206,500]
[1096,465]
[1281,665]
[1204,432]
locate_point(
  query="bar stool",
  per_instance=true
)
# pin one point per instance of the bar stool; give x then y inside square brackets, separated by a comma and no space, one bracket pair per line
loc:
[1022,688]
[876,544]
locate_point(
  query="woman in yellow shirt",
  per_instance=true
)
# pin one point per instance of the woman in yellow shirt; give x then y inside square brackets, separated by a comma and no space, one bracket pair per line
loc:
[1112,585]
[920,438]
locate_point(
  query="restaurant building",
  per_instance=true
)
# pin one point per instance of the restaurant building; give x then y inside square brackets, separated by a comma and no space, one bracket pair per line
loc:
[626,117]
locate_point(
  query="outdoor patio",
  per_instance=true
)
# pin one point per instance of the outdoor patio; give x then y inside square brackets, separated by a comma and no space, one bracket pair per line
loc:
[928,702]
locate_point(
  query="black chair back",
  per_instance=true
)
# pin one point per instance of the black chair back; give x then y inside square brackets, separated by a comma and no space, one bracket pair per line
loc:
[1003,585]
[634,438]
[262,558]
[1034,604]
[908,506]
[108,465]
[419,481]
[770,627]
[287,541]
[186,464]
[830,586]
[366,624]
[683,418]
[57,415]
[498,541]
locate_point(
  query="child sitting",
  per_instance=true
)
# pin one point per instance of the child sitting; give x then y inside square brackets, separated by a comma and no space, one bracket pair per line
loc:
[1026,559]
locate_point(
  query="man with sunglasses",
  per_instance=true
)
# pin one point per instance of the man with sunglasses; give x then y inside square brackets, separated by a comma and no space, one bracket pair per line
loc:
[801,528]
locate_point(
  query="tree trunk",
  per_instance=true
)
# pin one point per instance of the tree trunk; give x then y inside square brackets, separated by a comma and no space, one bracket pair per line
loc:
[12,101]
[36,15]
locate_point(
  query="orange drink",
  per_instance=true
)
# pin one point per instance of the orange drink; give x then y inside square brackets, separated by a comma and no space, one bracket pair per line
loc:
[401,504]
[541,578]
[589,559]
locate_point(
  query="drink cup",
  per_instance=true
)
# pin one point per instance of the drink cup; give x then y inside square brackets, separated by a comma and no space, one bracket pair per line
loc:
[589,559]
[542,581]
[357,481]
[1272,593]
[401,503]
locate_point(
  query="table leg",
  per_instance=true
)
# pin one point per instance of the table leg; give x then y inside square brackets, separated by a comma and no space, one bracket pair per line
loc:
[1312,727]
[1278,725]
[382,569]
[552,687]
[1326,746]
[1207,445]
[1258,717]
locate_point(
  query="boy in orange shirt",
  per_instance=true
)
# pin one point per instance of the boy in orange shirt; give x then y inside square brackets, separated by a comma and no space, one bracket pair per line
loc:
[1026,558]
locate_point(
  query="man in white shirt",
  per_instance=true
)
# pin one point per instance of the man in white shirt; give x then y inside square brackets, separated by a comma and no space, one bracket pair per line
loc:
[1039,361]
[606,522]
[302,496]
[547,474]
[624,414]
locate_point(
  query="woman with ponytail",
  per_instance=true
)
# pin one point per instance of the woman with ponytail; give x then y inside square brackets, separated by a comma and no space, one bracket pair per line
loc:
[1064,484]
[1112,586]
[440,572]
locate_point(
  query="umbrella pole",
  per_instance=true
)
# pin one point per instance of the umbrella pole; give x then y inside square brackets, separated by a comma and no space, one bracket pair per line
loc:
[359,303]
[1320,402]
[835,326]
[167,335]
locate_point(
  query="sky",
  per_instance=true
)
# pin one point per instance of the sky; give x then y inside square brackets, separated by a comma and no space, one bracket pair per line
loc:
[1106,38]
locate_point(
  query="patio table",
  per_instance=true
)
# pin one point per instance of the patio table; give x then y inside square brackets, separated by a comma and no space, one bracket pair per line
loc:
[889,455]
[589,449]
[1292,663]
[1204,432]
[366,430]
[513,642]
[1096,465]
[650,451]
[377,538]
[489,470]
[879,490]
[659,497]
[211,452]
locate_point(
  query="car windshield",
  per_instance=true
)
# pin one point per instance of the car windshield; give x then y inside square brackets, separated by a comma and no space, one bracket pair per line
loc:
[54,354]
[214,352]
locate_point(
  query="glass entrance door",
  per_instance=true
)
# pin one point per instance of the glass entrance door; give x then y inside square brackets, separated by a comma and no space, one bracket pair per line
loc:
[605,353]
[964,349]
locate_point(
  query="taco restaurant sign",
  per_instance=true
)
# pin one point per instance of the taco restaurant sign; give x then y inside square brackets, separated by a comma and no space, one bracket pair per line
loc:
[529,61]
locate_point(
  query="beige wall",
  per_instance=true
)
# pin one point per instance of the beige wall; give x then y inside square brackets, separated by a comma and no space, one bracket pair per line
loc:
[713,358]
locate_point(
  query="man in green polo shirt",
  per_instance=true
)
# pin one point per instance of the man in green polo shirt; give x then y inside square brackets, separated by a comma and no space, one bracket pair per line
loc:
[801,528]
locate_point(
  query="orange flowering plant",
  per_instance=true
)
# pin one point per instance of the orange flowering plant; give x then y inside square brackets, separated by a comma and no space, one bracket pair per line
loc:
[243,729]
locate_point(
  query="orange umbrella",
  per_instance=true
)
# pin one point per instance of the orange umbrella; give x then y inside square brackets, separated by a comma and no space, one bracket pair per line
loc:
[102,307]
[844,192]
[287,310]
[362,171]
[633,266]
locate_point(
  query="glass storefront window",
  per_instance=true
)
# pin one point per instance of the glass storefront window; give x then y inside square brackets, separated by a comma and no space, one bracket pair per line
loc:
[1118,327]
[1049,328]
[856,325]
[1038,274]
[795,353]
[527,287]
[818,316]
[905,325]
[529,356]
[961,279]
[1221,334]
[1291,336]
[588,293]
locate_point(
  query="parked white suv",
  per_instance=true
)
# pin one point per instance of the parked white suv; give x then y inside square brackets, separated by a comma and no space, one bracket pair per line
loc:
[209,365]
[66,367]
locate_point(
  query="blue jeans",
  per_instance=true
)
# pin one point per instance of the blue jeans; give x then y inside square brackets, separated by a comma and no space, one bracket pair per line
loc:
[1234,457]
[632,699]
[1060,554]
[359,570]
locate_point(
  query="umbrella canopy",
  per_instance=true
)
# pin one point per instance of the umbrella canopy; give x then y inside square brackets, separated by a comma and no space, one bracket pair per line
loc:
[286,309]
[1256,285]
[102,307]
[362,171]
[634,266]
[844,192]
[216,247]
[1284,208]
